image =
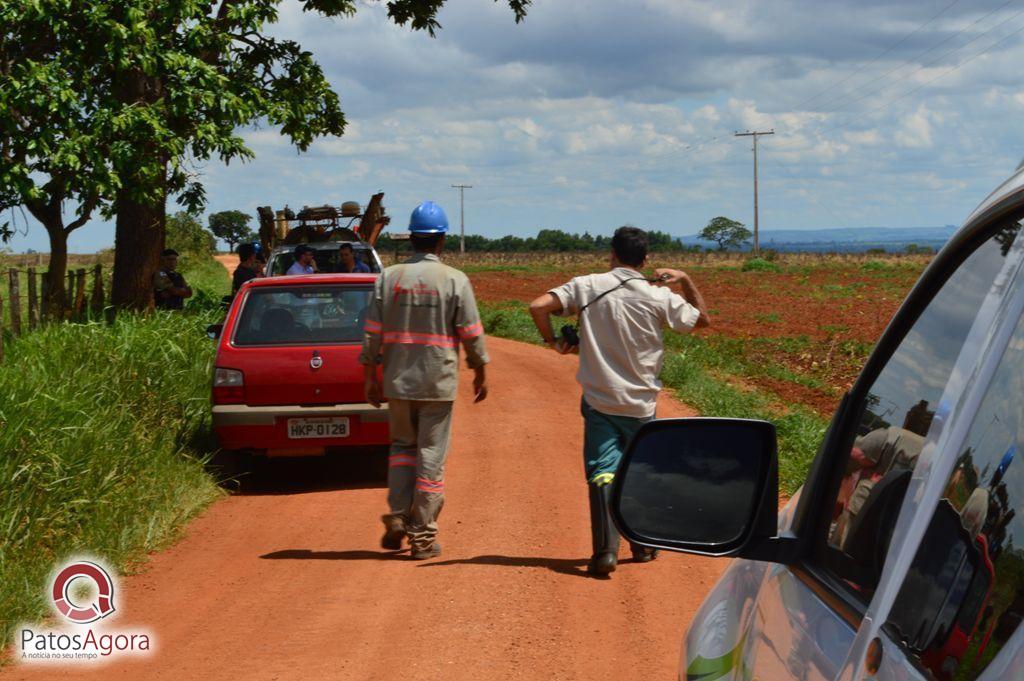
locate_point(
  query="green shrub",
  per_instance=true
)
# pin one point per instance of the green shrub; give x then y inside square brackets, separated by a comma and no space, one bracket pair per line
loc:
[759,265]
[875,266]
[103,434]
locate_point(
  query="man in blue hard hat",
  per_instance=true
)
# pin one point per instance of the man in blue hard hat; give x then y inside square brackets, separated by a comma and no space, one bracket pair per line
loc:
[421,312]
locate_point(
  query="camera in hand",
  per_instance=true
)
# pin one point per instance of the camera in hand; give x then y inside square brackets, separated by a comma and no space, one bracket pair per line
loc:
[570,337]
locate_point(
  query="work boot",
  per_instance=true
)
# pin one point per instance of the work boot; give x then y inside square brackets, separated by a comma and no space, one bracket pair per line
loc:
[394,533]
[605,537]
[642,554]
[426,552]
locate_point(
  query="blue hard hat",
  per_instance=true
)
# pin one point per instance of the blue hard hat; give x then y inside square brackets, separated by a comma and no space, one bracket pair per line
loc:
[428,218]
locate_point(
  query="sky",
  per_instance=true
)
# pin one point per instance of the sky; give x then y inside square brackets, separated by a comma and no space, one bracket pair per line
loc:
[596,113]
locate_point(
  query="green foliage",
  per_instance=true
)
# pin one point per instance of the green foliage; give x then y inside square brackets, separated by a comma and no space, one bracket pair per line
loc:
[232,226]
[726,233]
[108,99]
[759,265]
[104,430]
[186,234]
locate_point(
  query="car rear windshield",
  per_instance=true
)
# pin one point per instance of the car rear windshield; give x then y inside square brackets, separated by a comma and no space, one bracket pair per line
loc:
[328,260]
[296,315]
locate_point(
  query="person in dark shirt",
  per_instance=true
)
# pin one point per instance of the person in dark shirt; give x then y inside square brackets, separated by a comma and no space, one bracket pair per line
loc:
[169,288]
[350,264]
[248,268]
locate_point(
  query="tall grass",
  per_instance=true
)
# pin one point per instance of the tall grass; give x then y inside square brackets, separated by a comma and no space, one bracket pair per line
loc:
[697,376]
[104,432]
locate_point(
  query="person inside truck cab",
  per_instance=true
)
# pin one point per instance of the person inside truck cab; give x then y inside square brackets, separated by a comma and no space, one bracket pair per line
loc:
[350,263]
[304,262]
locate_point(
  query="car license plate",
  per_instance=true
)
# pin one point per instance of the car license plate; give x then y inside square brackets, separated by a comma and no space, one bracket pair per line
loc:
[326,426]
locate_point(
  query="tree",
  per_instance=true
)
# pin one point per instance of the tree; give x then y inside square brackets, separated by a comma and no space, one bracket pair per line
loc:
[186,234]
[54,149]
[726,233]
[157,88]
[232,226]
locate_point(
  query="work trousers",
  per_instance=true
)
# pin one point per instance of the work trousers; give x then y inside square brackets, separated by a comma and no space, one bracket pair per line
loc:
[605,439]
[420,431]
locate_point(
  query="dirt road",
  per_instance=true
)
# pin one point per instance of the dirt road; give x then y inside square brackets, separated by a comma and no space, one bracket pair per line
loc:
[290,583]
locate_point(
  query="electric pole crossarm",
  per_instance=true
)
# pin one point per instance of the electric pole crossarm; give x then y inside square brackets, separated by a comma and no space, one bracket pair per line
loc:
[755,134]
[462,214]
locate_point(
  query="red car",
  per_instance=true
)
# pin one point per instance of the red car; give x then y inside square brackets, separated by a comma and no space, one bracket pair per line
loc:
[287,380]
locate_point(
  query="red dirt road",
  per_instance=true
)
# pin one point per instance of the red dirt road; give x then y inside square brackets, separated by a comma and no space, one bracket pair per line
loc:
[287,585]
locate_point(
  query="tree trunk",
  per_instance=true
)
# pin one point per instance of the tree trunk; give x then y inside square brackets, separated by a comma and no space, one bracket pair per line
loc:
[55,301]
[138,240]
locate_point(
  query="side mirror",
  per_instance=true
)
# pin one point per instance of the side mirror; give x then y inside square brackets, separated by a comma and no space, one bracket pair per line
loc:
[701,485]
[225,302]
[213,331]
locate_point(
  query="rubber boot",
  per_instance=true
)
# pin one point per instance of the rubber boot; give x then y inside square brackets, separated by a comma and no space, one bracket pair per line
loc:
[642,554]
[603,533]
[394,532]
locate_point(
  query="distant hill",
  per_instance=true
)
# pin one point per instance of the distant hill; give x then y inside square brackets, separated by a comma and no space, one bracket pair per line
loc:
[847,239]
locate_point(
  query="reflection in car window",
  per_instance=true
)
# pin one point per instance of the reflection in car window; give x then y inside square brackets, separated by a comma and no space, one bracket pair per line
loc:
[303,314]
[964,593]
[898,411]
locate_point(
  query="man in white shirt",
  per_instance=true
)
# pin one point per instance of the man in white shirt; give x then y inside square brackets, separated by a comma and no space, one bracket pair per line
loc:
[621,316]
[304,262]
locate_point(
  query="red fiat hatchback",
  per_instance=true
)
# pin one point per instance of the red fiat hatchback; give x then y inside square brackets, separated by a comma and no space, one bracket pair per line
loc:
[287,380]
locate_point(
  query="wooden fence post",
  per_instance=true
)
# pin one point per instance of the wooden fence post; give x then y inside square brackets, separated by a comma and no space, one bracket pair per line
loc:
[1,329]
[15,302]
[71,289]
[45,290]
[33,299]
[97,289]
[79,292]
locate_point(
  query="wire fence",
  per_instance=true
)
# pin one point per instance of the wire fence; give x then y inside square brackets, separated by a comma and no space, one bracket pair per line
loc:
[25,307]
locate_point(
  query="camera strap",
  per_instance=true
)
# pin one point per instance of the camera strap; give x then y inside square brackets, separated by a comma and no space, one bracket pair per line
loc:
[615,288]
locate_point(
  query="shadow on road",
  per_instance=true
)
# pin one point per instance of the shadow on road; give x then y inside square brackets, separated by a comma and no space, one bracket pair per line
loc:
[257,475]
[307,554]
[565,566]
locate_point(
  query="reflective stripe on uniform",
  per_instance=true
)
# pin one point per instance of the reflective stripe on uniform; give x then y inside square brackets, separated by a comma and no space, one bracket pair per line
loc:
[410,338]
[372,326]
[431,486]
[397,460]
[471,331]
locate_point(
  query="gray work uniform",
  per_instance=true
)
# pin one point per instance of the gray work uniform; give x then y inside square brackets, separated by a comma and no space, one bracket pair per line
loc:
[420,313]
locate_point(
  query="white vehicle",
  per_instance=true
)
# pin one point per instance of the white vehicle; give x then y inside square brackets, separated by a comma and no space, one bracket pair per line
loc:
[902,557]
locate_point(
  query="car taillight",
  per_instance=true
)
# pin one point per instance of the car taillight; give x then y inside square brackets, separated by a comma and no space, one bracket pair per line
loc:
[228,386]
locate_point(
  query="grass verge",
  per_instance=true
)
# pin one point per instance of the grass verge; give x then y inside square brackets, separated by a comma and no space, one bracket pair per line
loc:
[696,372]
[104,433]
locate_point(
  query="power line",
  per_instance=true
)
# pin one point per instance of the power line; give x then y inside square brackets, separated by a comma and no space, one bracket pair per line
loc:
[889,49]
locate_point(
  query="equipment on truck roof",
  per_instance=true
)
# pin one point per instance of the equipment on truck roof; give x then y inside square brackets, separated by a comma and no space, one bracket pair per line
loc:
[316,224]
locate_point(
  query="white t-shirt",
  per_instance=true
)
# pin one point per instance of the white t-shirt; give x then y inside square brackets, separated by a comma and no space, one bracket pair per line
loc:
[621,345]
[299,268]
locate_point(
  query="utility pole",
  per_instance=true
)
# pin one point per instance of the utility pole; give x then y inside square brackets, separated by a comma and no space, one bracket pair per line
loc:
[755,134]
[462,214]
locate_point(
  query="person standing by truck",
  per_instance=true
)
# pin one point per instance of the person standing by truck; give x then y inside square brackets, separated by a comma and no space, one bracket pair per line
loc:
[621,316]
[420,312]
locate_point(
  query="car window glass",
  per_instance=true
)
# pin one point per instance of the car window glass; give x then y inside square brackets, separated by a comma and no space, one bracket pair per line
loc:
[328,260]
[963,595]
[897,413]
[303,314]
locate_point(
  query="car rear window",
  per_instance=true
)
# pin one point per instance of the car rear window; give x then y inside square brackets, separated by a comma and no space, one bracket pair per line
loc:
[296,315]
[328,260]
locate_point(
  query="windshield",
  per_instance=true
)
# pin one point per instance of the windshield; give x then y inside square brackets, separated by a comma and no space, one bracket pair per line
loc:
[298,315]
[328,260]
